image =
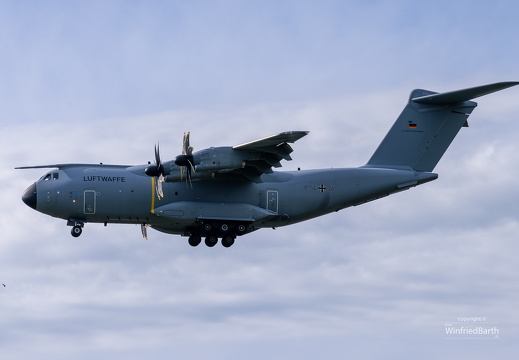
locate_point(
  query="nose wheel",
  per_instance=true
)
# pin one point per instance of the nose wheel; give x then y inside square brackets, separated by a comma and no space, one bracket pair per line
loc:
[76,230]
[77,227]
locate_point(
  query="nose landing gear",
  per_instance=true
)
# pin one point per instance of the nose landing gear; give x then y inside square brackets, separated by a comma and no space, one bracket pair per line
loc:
[77,227]
[76,230]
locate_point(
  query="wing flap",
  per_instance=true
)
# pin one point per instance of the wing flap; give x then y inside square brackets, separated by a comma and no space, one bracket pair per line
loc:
[266,153]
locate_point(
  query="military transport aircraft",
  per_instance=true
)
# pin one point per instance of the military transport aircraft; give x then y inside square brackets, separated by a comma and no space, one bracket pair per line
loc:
[224,192]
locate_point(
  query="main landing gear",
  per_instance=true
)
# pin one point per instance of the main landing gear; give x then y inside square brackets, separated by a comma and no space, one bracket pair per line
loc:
[211,240]
[227,231]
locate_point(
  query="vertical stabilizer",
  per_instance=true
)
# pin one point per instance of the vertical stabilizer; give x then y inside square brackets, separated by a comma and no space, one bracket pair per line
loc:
[426,127]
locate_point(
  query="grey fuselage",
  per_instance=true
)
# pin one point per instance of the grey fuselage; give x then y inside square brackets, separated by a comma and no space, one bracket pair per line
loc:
[125,194]
[231,191]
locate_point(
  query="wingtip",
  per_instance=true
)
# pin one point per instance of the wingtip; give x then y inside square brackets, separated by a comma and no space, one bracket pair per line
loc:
[504,84]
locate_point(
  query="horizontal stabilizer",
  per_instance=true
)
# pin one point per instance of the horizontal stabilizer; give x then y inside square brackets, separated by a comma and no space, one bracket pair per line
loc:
[452,97]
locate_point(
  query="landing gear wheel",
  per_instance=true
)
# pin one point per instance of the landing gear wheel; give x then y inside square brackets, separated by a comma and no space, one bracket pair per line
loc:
[76,230]
[224,228]
[194,240]
[241,229]
[207,227]
[211,240]
[228,241]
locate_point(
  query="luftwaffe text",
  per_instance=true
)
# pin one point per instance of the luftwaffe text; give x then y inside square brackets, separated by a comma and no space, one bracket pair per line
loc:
[105,178]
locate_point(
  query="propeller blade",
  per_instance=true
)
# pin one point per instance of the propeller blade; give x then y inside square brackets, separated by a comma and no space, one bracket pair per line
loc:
[158,162]
[158,185]
[186,159]
[157,171]
[144,230]
[189,169]
[185,143]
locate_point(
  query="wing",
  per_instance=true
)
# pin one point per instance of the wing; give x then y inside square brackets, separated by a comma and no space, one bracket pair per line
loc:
[263,154]
[65,166]
[271,143]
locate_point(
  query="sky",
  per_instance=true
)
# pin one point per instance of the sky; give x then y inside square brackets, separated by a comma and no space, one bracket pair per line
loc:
[103,81]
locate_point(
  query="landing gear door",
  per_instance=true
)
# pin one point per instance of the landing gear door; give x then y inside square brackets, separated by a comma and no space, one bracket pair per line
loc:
[272,201]
[90,202]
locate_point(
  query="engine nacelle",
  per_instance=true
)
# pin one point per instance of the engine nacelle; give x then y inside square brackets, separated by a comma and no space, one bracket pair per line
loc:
[206,163]
[177,176]
[218,159]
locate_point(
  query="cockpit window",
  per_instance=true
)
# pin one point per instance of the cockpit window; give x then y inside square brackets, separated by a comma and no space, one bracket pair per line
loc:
[50,176]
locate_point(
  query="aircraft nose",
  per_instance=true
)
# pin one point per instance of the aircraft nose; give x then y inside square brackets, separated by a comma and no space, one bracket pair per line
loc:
[29,196]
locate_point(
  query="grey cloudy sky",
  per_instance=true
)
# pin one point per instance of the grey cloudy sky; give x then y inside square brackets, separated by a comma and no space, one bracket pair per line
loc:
[103,81]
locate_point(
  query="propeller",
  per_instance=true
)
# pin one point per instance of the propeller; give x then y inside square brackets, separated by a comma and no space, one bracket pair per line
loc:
[186,159]
[157,170]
